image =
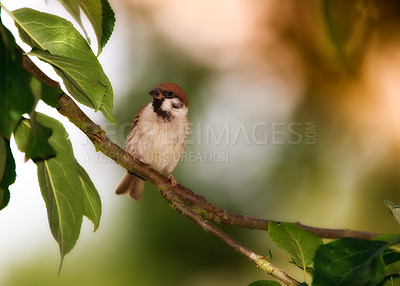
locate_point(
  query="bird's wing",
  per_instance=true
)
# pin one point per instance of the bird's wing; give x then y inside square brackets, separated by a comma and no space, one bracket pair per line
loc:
[136,120]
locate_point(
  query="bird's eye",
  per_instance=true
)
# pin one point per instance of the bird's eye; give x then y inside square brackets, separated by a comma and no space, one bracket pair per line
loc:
[169,94]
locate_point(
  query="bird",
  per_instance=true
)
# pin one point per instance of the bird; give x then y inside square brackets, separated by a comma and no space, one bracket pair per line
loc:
[158,136]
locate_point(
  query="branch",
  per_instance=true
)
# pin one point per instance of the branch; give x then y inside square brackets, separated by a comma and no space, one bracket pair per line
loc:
[30,66]
[211,212]
[186,202]
[196,202]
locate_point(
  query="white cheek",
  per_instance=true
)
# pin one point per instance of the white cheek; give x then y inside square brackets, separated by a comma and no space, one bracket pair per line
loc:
[166,105]
[176,103]
[171,104]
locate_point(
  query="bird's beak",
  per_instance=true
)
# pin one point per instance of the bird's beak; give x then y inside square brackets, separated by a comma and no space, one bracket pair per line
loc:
[155,93]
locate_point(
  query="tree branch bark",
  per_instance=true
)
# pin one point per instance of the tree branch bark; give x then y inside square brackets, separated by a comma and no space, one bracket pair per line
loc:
[183,200]
[211,212]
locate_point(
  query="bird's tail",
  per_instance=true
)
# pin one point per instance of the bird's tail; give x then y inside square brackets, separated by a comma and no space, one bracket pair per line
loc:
[131,184]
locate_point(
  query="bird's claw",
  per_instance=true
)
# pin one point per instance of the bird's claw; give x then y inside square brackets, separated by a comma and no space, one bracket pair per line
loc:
[171,179]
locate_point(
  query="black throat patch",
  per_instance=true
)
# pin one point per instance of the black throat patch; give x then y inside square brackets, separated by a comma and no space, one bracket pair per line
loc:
[157,109]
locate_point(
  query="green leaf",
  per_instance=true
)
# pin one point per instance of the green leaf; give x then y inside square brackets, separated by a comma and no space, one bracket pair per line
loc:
[108,22]
[59,184]
[66,187]
[388,237]
[350,261]
[15,95]
[100,15]
[32,138]
[72,6]
[264,283]
[391,256]
[300,243]
[394,209]
[38,147]
[8,176]
[63,201]
[392,280]
[91,198]
[21,134]
[49,95]
[57,42]
[60,187]
[82,84]
[392,270]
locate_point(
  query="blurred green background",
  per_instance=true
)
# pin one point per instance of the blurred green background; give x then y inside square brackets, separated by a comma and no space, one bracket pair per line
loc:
[295,116]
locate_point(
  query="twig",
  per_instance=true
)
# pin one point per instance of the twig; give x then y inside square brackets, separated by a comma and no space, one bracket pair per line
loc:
[209,211]
[260,261]
[30,66]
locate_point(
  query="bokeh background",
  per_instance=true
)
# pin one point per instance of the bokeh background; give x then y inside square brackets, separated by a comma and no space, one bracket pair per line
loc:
[295,111]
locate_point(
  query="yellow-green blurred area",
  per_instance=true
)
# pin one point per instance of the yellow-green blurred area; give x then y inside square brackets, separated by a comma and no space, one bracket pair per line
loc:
[295,112]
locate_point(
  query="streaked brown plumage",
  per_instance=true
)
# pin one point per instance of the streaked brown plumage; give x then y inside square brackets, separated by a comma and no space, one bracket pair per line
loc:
[158,135]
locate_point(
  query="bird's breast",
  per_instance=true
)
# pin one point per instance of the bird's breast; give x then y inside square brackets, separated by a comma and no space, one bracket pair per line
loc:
[158,142]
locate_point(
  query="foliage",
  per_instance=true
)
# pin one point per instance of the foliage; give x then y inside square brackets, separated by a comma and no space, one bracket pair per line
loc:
[55,41]
[346,261]
[66,188]
[68,191]
[67,199]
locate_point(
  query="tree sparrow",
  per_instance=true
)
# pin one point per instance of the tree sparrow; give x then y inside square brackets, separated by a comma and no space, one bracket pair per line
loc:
[158,136]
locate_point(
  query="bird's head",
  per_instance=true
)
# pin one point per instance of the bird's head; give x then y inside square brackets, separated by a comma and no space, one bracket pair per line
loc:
[169,100]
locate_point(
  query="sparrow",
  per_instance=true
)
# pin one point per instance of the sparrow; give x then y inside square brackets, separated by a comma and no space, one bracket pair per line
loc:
[158,136]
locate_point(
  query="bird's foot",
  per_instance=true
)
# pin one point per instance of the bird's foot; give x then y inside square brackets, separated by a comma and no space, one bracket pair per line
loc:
[171,179]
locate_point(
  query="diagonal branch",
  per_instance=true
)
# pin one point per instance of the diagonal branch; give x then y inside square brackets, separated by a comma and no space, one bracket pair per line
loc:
[186,202]
[103,144]
[196,202]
